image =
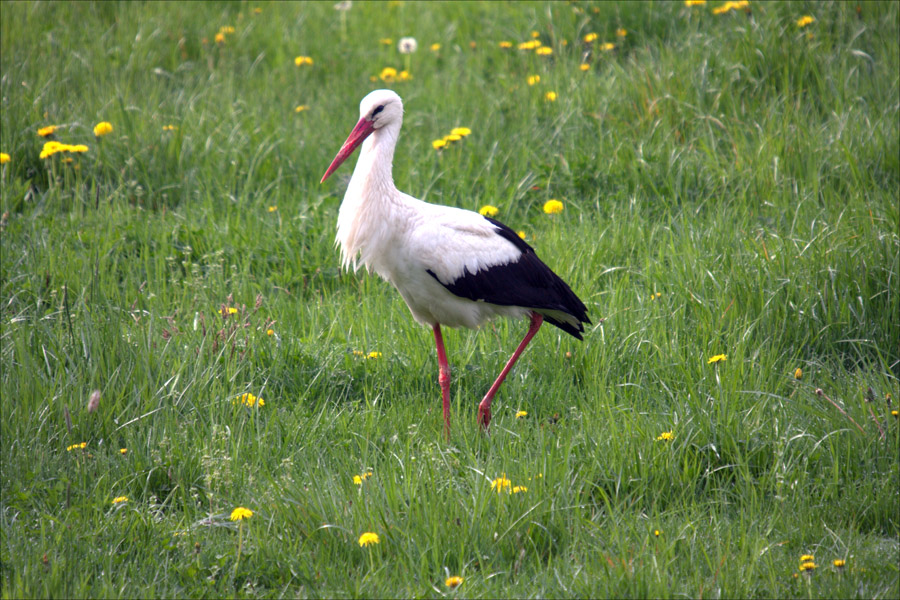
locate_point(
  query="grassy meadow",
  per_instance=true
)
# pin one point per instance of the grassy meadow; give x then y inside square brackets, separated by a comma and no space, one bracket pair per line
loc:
[730,184]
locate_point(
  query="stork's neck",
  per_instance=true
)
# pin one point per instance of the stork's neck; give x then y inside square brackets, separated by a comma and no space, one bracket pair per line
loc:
[373,180]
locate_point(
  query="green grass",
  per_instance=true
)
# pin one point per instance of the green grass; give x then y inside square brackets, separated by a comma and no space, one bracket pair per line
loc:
[730,185]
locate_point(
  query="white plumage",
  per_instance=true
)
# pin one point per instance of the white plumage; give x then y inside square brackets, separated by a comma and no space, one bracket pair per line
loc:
[451,266]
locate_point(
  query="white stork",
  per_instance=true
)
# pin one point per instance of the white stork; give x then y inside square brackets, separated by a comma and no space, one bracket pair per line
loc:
[452,266]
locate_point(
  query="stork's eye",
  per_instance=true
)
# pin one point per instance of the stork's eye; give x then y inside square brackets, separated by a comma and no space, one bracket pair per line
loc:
[377,110]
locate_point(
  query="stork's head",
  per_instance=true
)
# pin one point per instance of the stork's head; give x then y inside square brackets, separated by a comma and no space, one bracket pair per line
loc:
[377,110]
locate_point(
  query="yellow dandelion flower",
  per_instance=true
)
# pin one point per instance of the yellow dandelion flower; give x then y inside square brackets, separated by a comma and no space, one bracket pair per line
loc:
[368,539]
[404,75]
[805,20]
[521,234]
[694,2]
[501,483]
[386,42]
[839,563]
[438,144]
[452,137]
[809,567]
[488,210]
[272,208]
[521,413]
[50,148]
[656,532]
[550,96]
[240,513]
[120,499]
[76,148]
[373,354]
[270,332]
[220,38]
[249,399]
[506,45]
[48,130]
[807,558]
[460,131]
[621,32]
[300,108]
[358,353]
[895,413]
[123,450]
[533,79]
[519,488]
[665,436]
[544,51]
[535,34]
[798,373]
[102,128]
[169,128]
[453,582]
[584,66]
[4,158]
[303,60]
[388,74]
[257,11]
[435,47]
[80,446]
[228,311]
[226,29]
[357,480]
[529,45]
[591,37]
[607,46]
[717,358]
[553,207]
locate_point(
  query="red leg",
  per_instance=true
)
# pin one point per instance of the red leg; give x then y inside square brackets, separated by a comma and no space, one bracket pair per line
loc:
[484,409]
[443,376]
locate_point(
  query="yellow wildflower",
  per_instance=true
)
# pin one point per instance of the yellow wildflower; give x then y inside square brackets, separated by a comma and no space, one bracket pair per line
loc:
[4,158]
[80,446]
[270,332]
[584,66]
[550,96]
[435,47]
[798,374]
[591,37]
[895,413]
[226,29]
[488,210]
[665,436]
[386,41]
[544,51]
[729,6]
[48,130]
[530,45]
[257,11]
[373,354]
[607,46]
[119,499]
[102,128]
[75,148]
[123,450]
[621,32]
[805,20]
[519,488]
[839,563]
[452,137]
[808,567]
[300,108]
[453,582]
[501,483]
[357,480]
[169,128]
[249,399]
[303,60]
[694,2]
[368,538]
[460,131]
[656,532]
[272,208]
[220,38]
[553,207]
[358,353]
[228,311]
[533,79]
[50,148]
[241,513]
[388,74]
[404,75]
[438,144]
[521,413]
[717,358]
[807,558]
[535,34]
[506,45]
[521,234]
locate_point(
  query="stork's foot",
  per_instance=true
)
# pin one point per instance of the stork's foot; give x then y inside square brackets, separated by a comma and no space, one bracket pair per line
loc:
[484,416]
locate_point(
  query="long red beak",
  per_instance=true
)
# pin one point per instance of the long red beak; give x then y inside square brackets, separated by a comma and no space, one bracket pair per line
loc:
[362,130]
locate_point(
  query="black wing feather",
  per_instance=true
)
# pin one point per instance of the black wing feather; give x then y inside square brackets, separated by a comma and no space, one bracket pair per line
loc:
[527,282]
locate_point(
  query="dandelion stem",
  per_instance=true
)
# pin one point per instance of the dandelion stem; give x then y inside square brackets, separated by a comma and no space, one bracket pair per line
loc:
[237,559]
